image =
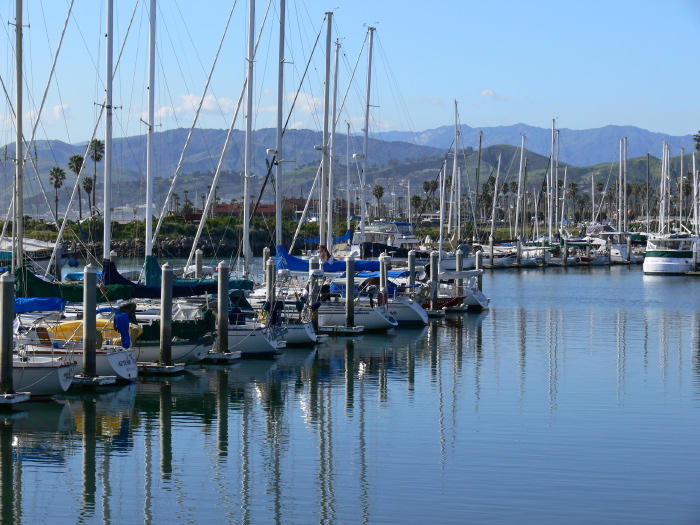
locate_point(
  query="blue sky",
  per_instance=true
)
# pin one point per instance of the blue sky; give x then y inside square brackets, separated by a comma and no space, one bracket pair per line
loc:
[587,64]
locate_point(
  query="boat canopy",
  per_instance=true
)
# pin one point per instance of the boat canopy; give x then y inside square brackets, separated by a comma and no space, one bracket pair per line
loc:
[343,238]
[284,261]
[29,285]
[39,304]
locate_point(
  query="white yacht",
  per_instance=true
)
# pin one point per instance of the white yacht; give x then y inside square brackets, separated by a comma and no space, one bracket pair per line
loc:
[671,254]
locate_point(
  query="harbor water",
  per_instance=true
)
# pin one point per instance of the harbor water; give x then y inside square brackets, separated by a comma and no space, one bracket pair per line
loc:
[574,399]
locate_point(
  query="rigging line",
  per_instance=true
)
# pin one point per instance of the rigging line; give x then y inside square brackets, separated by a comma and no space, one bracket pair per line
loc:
[31,141]
[352,76]
[219,167]
[77,182]
[48,83]
[308,63]
[284,129]
[194,123]
[395,84]
[269,43]
[433,189]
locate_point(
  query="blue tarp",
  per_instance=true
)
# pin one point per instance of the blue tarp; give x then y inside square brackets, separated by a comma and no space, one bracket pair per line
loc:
[390,273]
[344,238]
[79,276]
[39,304]
[297,264]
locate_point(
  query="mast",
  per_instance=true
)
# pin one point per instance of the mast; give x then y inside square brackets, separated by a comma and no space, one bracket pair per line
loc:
[563,202]
[347,169]
[443,177]
[476,193]
[624,186]
[550,177]
[366,137]
[556,178]
[592,198]
[323,201]
[247,159]
[648,209]
[329,242]
[107,238]
[150,123]
[520,183]
[680,189]
[18,218]
[695,197]
[278,143]
[619,192]
[495,200]
[455,177]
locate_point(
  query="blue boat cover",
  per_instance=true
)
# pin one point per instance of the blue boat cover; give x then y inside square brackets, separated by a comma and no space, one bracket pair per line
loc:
[79,276]
[39,304]
[343,238]
[390,273]
[297,264]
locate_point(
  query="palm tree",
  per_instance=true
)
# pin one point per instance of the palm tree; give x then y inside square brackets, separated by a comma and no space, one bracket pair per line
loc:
[88,187]
[56,178]
[75,164]
[97,151]
[416,202]
[378,193]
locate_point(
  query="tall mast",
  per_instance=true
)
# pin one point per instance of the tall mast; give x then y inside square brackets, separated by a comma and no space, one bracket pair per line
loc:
[680,189]
[619,192]
[520,183]
[150,123]
[329,242]
[556,177]
[495,200]
[366,138]
[455,176]
[593,198]
[107,239]
[624,185]
[695,197]
[649,210]
[278,144]
[475,235]
[323,201]
[347,169]
[18,219]
[247,159]
[550,189]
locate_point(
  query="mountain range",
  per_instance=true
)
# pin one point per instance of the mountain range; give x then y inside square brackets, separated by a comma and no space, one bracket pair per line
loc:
[392,156]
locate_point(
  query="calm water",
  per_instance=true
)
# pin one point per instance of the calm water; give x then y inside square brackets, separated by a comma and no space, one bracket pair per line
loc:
[574,399]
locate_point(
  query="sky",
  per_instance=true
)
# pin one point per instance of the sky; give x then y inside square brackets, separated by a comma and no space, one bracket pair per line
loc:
[586,64]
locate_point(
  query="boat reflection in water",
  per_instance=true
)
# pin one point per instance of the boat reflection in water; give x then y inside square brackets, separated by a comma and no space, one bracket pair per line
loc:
[342,432]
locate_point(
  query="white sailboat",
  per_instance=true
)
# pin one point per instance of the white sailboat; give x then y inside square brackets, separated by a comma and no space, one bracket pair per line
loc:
[31,372]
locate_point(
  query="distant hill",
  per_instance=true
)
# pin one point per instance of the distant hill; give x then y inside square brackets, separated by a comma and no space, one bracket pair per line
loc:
[393,162]
[577,147]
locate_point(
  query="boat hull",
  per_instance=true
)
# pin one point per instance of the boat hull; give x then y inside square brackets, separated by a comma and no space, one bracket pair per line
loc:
[655,265]
[251,341]
[41,376]
[373,319]
[185,352]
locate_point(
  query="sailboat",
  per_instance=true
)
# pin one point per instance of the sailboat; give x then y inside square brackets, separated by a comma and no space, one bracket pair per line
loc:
[40,375]
[192,340]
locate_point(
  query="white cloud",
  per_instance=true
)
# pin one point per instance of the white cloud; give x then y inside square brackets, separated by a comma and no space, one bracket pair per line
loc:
[492,94]
[438,102]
